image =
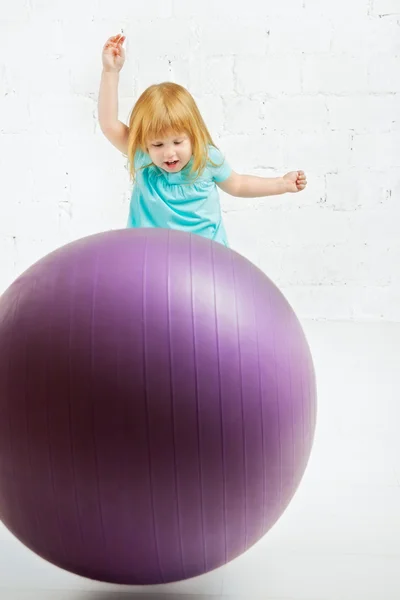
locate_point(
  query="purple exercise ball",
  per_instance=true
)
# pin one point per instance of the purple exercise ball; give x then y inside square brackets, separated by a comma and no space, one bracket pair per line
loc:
[157,406]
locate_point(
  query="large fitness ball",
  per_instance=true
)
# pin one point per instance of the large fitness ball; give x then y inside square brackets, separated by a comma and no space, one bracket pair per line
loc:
[157,406]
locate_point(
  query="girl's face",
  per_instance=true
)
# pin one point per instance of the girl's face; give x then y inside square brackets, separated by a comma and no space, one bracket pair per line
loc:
[170,153]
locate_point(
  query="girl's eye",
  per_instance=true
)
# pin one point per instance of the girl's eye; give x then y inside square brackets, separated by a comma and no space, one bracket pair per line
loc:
[159,145]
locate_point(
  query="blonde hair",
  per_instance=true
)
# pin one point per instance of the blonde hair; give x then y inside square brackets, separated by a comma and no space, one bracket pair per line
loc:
[166,108]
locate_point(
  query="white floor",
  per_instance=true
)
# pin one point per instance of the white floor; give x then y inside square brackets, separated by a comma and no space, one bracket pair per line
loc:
[340,537]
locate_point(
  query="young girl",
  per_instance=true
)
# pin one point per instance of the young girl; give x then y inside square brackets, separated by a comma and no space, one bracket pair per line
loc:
[175,165]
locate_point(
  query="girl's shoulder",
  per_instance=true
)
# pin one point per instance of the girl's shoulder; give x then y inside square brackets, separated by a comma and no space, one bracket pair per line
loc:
[214,153]
[217,165]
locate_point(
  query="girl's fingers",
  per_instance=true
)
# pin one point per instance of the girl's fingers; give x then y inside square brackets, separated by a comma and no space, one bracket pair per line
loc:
[114,45]
[115,39]
[109,44]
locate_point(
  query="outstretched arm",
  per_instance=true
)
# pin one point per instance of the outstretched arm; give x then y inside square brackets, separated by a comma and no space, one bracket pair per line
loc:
[251,186]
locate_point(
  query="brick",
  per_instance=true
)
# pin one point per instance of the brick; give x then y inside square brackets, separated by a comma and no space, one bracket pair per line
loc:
[243,10]
[308,227]
[386,7]
[28,41]
[52,78]
[362,189]
[56,114]
[335,74]
[296,113]
[126,9]
[370,34]
[372,303]
[211,109]
[94,150]
[153,71]
[376,150]
[218,76]
[29,250]
[312,265]
[222,37]
[180,71]
[248,152]
[14,113]
[300,34]
[38,220]
[16,179]
[125,105]
[325,151]
[376,263]
[8,206]
[210,74]
[242,115]
[274,75]
[152,38]
[53,10]
[374,226]
[16,12]
[384,73]
[318,301]
[241,230]
[337,10]
[4,88]
[364,114]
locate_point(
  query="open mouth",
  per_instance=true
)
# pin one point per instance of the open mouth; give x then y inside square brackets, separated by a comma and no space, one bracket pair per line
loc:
[172,164]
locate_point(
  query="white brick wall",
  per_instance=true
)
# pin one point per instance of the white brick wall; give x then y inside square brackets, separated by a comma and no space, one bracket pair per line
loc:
[308,84]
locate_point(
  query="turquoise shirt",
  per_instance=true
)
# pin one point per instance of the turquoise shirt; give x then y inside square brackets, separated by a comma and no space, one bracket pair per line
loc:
[171,201]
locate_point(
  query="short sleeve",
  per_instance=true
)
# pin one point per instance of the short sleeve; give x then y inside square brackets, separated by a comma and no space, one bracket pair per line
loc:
[221,172]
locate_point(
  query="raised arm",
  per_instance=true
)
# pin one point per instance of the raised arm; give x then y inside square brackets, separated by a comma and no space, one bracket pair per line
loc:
[113,58]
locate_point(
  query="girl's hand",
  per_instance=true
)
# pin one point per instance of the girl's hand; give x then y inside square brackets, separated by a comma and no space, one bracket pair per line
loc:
[295,181]
[113,55]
